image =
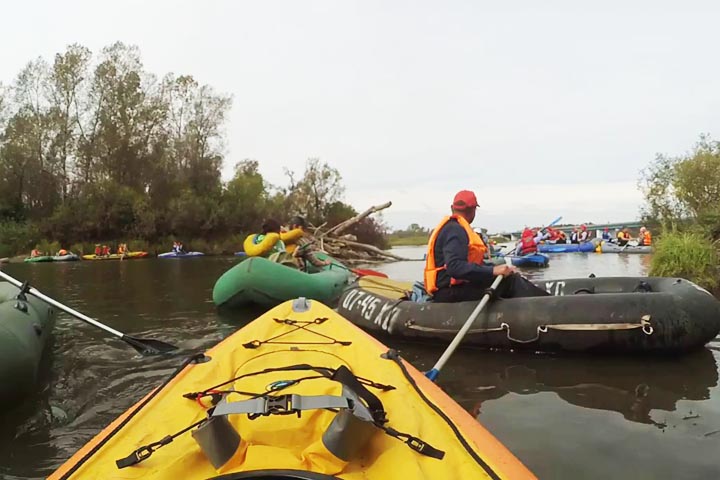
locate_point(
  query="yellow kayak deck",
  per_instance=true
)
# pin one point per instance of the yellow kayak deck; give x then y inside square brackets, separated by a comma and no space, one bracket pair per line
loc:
[291,353]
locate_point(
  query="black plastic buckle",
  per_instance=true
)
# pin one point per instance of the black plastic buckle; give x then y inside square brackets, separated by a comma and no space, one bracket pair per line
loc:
[276,405]
[142,453]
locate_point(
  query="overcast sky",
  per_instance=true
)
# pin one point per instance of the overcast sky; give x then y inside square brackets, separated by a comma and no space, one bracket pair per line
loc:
[542,108]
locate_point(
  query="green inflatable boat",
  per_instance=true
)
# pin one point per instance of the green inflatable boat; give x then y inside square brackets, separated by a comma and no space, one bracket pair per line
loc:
[43,258]
[260,281]
[25,327]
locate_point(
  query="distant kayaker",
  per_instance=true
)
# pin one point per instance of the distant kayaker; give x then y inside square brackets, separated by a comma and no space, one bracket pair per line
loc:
[454,269]
[529,241]
[179,248]
[61,253]
[645,237]
[35,252]
[98,250]
[606,234]
[305,250]
[105,251]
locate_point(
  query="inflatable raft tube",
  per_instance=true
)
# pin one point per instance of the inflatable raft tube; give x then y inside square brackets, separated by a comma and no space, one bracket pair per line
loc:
[180,255]
[66,258]
[260,281]
[610,314]
[115,256]
[290,238]
[253,248]
[606,247]
[566,247]
[314,398]
[43,258]
[531,260]
[25,327]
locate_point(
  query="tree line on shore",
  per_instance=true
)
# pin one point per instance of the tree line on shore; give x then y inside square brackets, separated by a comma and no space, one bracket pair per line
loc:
[683,196]
[96,148]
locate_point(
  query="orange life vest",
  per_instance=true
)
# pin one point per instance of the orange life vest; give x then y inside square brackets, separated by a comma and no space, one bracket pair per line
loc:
[62,252]
[647,238]
[527,242]
[476,253]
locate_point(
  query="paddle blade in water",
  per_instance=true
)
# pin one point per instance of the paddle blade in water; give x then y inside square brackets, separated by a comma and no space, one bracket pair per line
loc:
[148,346]
[360,272]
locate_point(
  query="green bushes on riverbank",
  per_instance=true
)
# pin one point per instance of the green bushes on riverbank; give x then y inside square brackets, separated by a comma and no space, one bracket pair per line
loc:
[687,255]
[408,241]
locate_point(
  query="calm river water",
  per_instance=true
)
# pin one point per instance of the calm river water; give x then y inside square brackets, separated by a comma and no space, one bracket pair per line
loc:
[565,417]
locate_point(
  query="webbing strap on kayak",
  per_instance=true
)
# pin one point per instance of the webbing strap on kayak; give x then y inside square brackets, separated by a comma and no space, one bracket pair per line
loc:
[394,356]
[145,451]
[347,378]
[263,405]
[279,405]
[415,443]
[196,358]
[281,384]
[299,325]
[377,410]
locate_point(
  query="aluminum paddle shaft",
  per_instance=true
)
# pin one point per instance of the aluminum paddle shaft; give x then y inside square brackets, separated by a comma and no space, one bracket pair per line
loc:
[433,373]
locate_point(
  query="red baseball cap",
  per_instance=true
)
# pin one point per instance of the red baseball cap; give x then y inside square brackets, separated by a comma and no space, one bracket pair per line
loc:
[465,199]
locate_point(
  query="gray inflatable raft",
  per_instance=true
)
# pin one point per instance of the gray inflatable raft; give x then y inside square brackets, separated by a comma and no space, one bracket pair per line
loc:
[610,314]
[606,247]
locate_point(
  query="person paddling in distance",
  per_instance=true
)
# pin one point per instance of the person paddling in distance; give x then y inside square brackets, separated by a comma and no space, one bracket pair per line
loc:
[584,235]
[528,242]
[35,252]
[454,268]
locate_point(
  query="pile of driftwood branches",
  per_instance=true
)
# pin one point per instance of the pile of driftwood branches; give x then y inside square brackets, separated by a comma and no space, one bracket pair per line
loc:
[347,248]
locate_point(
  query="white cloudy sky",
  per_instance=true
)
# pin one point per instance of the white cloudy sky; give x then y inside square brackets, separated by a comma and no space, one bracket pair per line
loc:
[542,108]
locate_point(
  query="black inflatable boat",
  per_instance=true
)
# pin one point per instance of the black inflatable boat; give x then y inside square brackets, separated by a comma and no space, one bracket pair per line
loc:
[609,314]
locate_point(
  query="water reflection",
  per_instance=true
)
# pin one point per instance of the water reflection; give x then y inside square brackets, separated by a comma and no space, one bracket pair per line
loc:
[630,386]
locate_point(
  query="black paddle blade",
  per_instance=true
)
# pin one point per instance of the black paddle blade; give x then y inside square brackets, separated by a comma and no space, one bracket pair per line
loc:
[148,346]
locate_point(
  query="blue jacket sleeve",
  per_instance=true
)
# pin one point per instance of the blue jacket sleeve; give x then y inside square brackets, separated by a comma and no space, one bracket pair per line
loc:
[455,253]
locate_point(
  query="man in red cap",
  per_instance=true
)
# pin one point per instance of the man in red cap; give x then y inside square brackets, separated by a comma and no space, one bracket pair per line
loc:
[454,269]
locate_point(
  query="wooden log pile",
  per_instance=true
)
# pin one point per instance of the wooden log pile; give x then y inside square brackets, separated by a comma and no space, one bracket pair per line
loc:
[347,248]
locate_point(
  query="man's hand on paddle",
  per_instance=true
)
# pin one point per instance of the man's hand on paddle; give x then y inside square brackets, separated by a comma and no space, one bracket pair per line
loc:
[504,270]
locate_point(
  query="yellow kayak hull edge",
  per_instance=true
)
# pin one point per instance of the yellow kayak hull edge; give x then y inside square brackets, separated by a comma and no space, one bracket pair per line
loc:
[316,337]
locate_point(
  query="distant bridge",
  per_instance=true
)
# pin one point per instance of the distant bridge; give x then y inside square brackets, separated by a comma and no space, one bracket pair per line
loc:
[597,227]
